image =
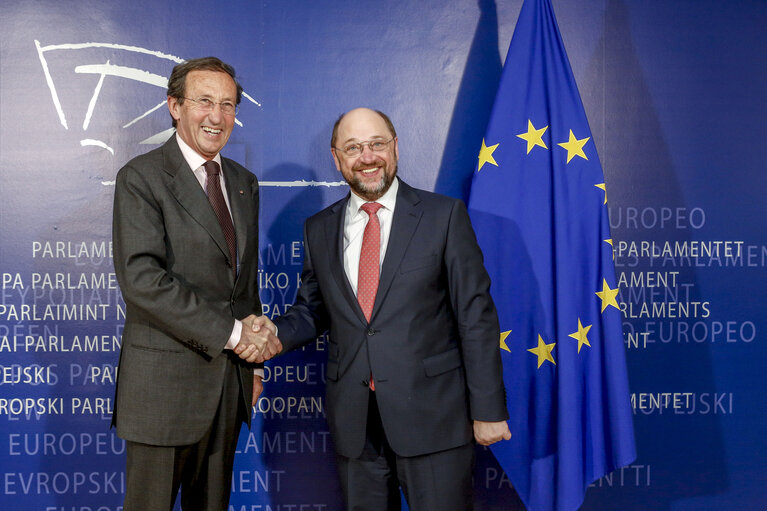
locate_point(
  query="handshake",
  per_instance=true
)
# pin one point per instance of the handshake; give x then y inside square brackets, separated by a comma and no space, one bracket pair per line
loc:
[258,341]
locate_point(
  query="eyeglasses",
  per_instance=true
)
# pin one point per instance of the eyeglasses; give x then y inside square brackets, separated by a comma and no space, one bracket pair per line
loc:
[353,149]
[206,105]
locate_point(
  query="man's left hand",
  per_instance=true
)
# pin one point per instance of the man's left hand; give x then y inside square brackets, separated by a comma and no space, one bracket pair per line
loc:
[486,433]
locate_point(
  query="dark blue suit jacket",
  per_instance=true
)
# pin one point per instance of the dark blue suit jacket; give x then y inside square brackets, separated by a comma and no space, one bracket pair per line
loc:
[432,343]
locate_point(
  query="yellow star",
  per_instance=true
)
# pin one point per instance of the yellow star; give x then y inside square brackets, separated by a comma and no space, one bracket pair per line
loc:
[504,335]
[486,155]
[602,187]
[543,351]
[580,335]
[574,147]
[533,136]
[607,296]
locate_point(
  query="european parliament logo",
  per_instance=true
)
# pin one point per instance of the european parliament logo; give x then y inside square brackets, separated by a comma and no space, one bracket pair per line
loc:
[80,75]
[109,92]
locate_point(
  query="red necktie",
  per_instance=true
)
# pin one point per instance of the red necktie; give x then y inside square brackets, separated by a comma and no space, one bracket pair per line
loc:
[216,199]
[370,255]
[370,260]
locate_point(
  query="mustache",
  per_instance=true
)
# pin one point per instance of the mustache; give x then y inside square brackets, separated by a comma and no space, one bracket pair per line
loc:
[377,163]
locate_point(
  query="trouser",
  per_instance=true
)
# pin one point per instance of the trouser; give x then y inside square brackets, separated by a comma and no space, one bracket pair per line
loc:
[440,481]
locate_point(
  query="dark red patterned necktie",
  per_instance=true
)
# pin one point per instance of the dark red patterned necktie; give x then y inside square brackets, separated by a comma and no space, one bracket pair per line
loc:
[370,255]
[370,260]
[216,198]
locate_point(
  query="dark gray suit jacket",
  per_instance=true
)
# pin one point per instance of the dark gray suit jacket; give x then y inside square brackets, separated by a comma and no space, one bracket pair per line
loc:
[173,267]
[432,343]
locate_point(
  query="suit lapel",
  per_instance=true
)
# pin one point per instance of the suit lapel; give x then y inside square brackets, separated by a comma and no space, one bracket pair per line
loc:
[407,214]
[190,194]
[334,230]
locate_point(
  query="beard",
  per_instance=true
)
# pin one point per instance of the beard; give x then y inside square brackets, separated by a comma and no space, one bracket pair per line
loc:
[373,191]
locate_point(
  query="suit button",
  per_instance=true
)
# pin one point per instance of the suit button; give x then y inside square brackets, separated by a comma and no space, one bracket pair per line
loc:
[371,332]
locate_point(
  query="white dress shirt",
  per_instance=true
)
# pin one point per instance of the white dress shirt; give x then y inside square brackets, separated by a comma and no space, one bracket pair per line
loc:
[355,221]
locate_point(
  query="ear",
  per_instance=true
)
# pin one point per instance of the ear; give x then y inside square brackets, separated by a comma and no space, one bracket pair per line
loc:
[396,148]
[335,159]
[174,107]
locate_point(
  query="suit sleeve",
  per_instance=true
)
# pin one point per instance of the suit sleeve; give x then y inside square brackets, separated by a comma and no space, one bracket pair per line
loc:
[477,319]
[149,290]
[306,318]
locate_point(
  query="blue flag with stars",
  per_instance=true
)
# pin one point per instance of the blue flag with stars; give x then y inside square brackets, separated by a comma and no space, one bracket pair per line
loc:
[539,207]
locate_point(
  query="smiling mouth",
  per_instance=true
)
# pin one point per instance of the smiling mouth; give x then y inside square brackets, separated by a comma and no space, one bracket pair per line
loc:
[212,131]
[370,171]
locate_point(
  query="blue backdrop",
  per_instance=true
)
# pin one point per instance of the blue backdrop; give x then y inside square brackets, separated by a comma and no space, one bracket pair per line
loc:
[675,96]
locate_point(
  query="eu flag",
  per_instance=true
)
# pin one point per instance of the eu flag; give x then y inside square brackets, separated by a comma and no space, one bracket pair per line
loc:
[539,207]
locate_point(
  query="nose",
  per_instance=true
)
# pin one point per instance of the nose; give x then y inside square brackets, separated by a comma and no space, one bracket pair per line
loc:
[367,153]
[216,115]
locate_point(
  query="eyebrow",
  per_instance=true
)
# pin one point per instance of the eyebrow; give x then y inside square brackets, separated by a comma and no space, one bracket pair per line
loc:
[210,96]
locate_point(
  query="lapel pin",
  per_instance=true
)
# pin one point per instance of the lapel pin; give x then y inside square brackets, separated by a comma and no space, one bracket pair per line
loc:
[242,193]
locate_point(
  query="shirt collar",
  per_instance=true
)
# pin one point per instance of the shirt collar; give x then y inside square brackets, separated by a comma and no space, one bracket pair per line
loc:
[191,156]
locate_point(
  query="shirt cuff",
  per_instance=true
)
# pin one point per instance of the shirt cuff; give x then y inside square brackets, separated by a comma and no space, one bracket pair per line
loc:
[234,338]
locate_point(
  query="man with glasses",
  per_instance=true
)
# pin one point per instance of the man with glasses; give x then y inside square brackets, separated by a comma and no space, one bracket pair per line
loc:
[414,370]
[185,233]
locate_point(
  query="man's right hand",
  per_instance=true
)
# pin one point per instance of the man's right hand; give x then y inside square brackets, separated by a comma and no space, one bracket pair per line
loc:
[257,340]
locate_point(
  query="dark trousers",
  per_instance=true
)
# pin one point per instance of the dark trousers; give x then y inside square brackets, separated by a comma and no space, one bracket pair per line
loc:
[438,481]
[202,470]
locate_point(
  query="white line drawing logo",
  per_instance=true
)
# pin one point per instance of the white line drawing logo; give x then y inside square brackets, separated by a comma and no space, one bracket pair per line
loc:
[102,70]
